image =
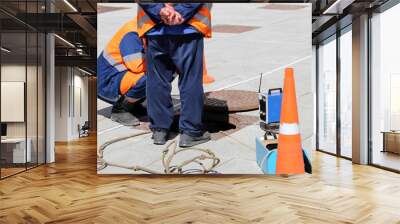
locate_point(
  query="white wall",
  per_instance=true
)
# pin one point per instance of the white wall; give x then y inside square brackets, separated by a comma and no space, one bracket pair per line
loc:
[12,73]
[79,117]
[61,103]
[70,84]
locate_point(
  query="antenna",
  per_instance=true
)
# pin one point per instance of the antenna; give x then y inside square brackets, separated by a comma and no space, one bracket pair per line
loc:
[259,86]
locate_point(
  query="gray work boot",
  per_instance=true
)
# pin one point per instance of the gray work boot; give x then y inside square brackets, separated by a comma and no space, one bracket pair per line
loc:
[125,118]
[186,140]
[160,136]
[120,114]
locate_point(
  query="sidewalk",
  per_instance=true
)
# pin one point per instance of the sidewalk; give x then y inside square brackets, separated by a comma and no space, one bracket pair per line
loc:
[248,39]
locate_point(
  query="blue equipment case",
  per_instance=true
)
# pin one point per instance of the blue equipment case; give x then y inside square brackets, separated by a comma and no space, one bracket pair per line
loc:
[274,105]
[270,106]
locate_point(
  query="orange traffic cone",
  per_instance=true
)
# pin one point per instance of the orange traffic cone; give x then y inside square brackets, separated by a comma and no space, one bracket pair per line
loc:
[290,154]
[207,79]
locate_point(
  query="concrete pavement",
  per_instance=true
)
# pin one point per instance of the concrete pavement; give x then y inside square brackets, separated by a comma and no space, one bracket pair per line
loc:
[279,35]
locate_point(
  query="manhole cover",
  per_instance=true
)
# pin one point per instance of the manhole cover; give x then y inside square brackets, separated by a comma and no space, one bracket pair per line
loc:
[104,9]
[231,101]
[233,28]
[284,7]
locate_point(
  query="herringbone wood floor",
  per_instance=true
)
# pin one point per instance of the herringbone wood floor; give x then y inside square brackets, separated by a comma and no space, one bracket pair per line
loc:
[69,191]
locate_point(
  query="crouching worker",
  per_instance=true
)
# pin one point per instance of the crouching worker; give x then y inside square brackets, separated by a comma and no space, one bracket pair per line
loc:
[120,74]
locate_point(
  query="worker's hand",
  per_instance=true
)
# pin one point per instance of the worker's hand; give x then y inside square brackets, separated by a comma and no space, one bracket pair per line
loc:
[169,16]
[175,19]
[166,13]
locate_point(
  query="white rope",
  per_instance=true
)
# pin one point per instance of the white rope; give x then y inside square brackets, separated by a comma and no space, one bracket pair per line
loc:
[170,151]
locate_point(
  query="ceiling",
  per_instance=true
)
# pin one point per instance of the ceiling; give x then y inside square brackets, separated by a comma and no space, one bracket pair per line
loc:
[74,22]
[332,15]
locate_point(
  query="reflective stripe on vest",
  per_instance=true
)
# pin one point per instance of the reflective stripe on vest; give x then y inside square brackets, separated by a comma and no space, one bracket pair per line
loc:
[289,129]
[112,62]
[135,62]
[144,22]
[134,56]
[201,21]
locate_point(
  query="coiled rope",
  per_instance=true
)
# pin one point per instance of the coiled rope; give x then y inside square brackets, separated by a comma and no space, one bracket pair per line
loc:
[167,156]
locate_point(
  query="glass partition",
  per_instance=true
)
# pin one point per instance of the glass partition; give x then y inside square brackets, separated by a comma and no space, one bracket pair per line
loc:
[13,95]
[32,93]
[327,96]
[22,77]
[32,98]
[346,93]
[41,97]
[385,89]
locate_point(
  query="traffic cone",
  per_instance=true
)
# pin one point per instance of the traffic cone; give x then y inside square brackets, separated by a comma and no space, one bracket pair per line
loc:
[207,79]
[290,154]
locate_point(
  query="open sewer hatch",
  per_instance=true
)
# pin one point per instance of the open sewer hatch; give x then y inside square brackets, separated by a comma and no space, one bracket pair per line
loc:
[230,101]
[225,101]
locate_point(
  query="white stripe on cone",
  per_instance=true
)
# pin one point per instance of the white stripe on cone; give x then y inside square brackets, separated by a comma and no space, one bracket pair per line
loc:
[289,129]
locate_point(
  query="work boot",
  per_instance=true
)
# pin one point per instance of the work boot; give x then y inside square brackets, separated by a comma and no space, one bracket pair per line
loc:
[120,114]
[125,118]
[186,140]
[160,136]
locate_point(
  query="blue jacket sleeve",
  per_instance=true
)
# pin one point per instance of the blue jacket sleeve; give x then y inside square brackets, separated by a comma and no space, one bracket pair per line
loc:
[187,10]
[132,52]
[153,10]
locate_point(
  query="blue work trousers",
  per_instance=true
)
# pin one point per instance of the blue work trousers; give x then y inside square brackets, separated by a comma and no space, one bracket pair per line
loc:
[166,54]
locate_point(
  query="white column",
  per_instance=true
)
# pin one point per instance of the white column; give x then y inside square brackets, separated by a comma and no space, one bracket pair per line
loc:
[50,92]
[50,99]
[360,90]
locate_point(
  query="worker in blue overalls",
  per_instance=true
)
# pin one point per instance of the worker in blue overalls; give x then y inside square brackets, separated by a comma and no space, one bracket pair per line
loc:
[174,35]
[120,74]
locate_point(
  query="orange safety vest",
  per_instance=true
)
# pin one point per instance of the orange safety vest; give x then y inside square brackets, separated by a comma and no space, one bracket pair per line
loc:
[112,53]
[134,63]
[201,21]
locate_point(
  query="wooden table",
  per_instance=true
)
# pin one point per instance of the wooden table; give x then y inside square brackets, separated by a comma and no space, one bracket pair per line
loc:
[391,141]
[13,150]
